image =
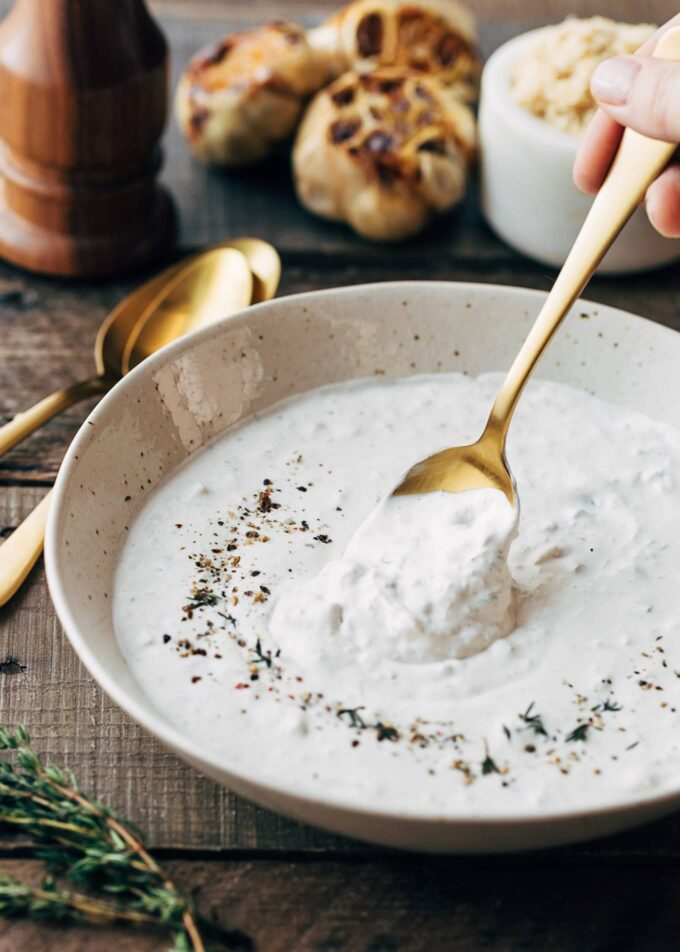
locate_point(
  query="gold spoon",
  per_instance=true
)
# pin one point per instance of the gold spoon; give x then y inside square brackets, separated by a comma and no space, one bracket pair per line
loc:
[217,282]
[482,465]
[206,289]
[116,330]
[265,264]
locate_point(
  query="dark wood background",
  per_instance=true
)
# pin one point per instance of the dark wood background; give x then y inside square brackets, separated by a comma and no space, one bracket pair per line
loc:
[289,886]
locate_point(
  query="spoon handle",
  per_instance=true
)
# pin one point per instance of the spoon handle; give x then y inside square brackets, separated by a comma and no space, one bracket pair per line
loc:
[637,164]
[36,416]
[20,552]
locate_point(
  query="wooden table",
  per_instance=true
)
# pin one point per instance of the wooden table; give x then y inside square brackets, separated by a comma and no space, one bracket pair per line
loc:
[291,887]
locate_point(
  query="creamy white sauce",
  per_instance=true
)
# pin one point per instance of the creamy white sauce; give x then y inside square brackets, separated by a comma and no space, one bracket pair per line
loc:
[427,662]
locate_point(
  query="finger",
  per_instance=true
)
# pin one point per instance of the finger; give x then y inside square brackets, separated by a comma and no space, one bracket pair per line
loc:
[603,134]
[641,92]
[663,202]
[649,45]
[597,148]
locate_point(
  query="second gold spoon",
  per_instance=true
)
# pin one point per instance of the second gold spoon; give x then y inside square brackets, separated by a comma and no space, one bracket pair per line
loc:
[482,465]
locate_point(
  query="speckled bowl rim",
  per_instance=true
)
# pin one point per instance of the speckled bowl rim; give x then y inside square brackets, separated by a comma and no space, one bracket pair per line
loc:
[301,805]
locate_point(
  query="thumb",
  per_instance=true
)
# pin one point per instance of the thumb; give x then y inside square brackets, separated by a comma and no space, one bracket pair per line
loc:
[641,92]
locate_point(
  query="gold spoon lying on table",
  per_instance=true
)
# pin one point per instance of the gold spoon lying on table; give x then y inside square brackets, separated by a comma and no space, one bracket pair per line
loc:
[482,465]
[205,289]
[114,334]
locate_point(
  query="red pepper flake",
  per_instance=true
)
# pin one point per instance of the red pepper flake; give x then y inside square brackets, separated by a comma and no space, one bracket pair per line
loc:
[196,678]
[241,686]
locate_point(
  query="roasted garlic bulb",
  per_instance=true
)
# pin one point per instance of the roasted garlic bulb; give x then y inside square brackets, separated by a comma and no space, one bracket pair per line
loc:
[384,151]
[238,100]
[428,36]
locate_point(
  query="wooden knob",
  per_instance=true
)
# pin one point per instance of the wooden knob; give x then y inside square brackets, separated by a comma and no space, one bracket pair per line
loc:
[83,103]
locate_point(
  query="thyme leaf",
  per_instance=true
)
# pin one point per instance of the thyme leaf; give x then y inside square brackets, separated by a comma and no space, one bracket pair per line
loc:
[260,656]
[580,732]
[533,721]
[355,718]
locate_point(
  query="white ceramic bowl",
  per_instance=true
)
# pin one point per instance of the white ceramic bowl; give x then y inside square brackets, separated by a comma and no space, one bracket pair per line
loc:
[179,399]
[528,196]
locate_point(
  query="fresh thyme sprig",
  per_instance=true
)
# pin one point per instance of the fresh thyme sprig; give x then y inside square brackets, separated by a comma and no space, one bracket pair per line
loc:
[87,843]
[46,902]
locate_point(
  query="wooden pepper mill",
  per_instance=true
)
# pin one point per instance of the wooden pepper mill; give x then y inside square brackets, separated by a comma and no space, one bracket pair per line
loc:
[83,103]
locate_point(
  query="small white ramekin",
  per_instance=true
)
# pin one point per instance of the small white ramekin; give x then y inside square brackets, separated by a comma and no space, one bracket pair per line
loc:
[528,196]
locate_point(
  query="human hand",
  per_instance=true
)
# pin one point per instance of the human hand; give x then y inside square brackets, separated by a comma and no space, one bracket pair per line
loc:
[644,93]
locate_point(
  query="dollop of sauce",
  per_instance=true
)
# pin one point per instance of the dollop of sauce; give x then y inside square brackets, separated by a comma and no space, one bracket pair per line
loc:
[424,578]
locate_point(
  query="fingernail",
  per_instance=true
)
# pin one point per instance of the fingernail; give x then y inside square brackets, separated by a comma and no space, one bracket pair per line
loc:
[613,80]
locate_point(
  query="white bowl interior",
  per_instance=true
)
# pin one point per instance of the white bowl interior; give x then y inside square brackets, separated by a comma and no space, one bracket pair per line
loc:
[182,397]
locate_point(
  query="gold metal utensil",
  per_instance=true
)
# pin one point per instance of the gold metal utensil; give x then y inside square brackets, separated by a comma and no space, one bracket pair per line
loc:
[207,288]
[265,264]
[114,333]
[108,353]
[483,465]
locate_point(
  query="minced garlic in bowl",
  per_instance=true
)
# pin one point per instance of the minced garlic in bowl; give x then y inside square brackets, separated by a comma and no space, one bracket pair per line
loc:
[552,80]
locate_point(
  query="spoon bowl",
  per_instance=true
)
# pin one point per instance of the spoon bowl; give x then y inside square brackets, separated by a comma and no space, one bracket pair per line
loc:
[119,324]
[480,465]
[265,265]
[214,285]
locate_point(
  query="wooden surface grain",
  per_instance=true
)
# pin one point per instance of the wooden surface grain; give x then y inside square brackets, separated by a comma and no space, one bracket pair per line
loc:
[285,884]
[403,904]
